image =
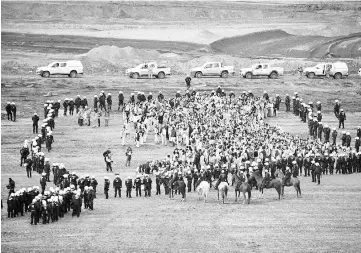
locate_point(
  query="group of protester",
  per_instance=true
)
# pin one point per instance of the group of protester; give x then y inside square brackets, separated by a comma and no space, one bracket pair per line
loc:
[102,105]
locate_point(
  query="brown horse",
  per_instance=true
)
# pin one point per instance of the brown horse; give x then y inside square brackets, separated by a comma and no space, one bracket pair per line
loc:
[275,183]
[295,182]
[241,186]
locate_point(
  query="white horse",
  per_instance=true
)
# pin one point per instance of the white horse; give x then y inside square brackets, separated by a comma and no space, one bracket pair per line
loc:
[223,188]
[203,189]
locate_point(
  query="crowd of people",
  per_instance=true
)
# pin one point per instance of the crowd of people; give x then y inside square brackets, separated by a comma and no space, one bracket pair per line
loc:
[213,135]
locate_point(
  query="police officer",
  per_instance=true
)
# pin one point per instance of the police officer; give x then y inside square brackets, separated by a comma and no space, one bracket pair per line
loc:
[341,119]
[327,131]
[94,184]
[334,136]
[137,185]
[109,101]
[71,107]
[343,138]
[8,111]
[147,185]
[129,186]
[13,111]
[222,178]
[317,172]
[288,103]
[56,108]
[77,103]
[65,105]
[189,180]
[117,185]
[43,182]
[106,186]
[35,120]
[336,108]
[158,182]
[188,80]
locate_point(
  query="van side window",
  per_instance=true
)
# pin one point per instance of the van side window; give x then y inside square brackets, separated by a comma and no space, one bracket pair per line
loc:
[216,65]
[208,66]
[62,64]
[56,65]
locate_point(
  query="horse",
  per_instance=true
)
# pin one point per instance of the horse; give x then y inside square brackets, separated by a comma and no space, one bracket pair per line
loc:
[295,182]
[203,189]
[241,186]
[275,183]
[223,188]
[182,189]
[173,186]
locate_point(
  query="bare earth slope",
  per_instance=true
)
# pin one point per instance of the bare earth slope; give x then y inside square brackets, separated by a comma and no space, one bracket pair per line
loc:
[280,43]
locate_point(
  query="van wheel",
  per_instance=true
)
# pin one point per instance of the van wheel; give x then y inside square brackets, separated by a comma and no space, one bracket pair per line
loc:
[249,75]
[224,74]
[46,74]
[73,74]
[311,75]
[161,75]
[199,75]
[135,75]
[338,76]
[273,75]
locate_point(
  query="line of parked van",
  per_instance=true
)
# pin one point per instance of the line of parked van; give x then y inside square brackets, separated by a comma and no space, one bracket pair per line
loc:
[73,68]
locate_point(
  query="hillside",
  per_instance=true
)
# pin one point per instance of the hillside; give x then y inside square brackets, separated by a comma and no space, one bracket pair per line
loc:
[276,43]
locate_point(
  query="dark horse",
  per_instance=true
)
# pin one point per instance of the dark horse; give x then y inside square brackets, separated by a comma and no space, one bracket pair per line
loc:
[295,182]
[241,186]
[173,186]
[274,183]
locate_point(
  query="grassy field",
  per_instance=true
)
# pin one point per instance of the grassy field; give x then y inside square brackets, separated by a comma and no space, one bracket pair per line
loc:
[325,219]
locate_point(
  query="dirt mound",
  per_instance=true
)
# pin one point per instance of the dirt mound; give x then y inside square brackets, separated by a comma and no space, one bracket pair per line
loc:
[277,43]
[114,54]
[343,47]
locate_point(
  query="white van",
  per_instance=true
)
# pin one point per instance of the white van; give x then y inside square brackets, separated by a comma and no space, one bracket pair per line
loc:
[70,68]
[337,70]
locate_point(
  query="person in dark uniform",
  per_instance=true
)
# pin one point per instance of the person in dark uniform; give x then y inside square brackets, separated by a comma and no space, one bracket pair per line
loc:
[147,185]
[109,101]
[336,108]
[117,185]
[158,182]
[317,172]
[106,187]
[341,119]
[188,81]
[189,181]
[33,212]
[13,111]
[11,186]
[288,103]
[222,178]
[287,177]
[76,204]
[8,111]
[137,185]
[35,120]
[129,186]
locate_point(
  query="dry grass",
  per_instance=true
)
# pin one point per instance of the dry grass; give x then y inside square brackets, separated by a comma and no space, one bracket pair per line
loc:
[325,219]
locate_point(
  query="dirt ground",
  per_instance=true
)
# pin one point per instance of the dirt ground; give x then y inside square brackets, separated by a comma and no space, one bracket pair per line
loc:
[325,219]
